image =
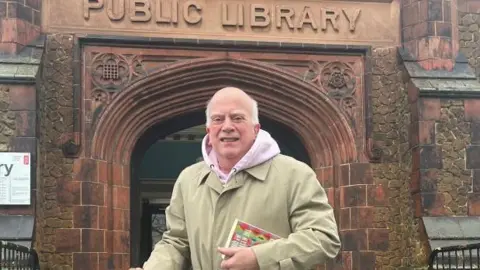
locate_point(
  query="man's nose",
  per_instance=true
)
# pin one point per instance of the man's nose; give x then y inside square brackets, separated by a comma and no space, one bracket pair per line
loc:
[227,125]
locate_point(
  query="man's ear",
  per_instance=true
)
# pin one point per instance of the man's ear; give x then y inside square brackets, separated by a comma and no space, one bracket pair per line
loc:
[256,128]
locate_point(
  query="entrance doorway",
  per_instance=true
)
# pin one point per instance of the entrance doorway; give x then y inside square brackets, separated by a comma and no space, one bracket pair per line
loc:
[159,157]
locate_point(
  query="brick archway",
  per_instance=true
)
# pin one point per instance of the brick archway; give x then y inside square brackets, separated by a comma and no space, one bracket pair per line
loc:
[186,86]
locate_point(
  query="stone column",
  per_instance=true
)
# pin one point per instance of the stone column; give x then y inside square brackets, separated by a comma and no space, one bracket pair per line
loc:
[19,24]
[429,32]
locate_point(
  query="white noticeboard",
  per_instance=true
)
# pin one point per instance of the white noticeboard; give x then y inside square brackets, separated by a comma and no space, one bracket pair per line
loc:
[15,178]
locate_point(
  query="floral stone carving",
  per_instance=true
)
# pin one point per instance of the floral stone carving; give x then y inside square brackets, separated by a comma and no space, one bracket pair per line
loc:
[337,79]
[111,73]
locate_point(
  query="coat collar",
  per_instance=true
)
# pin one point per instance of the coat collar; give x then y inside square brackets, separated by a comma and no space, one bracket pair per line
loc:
[259,172]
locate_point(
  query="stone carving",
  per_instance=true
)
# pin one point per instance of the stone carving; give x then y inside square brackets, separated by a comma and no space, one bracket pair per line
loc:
[336,79]
[111,73]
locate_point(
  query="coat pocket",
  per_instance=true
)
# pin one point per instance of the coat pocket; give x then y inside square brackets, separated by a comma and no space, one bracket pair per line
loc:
[287,264]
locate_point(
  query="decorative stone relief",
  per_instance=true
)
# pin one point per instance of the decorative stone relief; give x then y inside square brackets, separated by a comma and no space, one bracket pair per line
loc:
[337,79]
[111,73]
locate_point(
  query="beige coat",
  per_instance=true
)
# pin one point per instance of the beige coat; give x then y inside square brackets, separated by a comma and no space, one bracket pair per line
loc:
[281,195]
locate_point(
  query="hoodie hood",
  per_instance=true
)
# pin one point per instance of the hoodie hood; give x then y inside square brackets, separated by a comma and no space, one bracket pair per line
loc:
[264,148]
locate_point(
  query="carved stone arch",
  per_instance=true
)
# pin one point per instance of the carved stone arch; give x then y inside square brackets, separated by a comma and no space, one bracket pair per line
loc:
[186,86]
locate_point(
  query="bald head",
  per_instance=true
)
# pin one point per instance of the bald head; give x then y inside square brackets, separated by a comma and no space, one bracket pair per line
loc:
[236,95]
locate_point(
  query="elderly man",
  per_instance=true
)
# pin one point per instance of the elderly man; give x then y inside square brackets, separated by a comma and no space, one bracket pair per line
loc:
[244,176]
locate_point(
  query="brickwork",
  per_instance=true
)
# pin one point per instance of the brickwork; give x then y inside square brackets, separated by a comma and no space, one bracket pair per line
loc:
[469,35]
[56,238]
[427,32]
[18,131]
[391,121]
[19,24]
[445,154]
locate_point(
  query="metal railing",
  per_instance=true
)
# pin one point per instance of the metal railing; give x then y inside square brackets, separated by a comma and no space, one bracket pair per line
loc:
[16,257]
[455,257]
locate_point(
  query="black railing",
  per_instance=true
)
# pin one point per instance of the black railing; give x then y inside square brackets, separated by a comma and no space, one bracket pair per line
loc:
[17,257]
[455,257]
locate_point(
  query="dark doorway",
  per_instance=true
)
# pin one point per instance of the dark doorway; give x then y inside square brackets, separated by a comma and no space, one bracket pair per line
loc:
[159,156]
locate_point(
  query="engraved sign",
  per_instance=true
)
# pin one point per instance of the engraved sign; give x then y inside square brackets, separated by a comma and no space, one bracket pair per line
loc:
[269,20]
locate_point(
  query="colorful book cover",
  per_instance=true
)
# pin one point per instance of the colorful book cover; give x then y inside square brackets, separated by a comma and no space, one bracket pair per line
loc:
[244,234]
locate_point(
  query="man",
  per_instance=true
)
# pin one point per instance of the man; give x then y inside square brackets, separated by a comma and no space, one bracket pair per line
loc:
[244,176]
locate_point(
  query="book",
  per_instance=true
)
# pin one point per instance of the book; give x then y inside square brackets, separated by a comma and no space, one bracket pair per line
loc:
[243,234]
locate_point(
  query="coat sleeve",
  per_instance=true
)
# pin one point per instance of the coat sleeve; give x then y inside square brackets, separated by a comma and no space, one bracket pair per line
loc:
[314,237]
[172,252]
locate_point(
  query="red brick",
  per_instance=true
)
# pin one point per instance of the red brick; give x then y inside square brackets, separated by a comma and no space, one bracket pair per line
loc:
[362,260]
[67,240]
[117,175]
[473,6]
[88,171]
[85,261]
[429,204]
[126,176]
[473,157]
[474,204]
[119,219]
[354,240]
[85,217]
[412,94]
[426,134]
[93,194]
[472,109]
[121,241]
[476,181]
[415,181]
[429,109]
[93,240]
[344,175]
[114,261]
[68,192]
[102,171]
[325,176]
[363,217]
[360,173]
[344,219]
[428,180]
[121,198]
[23,97]
[353,196]
[25,123]
[376,195]
[378,239]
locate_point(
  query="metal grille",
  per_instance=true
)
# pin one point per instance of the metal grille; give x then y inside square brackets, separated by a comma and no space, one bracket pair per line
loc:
[13,256]
[456,257]
[110,72]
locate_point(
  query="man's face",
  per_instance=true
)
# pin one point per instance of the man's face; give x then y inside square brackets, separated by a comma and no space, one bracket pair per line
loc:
[231,131]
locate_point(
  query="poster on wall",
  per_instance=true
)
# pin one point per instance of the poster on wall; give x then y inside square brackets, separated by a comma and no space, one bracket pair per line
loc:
[15,178]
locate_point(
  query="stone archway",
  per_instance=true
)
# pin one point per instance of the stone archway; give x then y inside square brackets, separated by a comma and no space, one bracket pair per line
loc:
[186,86]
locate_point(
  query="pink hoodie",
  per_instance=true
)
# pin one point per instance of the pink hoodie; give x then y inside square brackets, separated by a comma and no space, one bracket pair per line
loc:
[263,149]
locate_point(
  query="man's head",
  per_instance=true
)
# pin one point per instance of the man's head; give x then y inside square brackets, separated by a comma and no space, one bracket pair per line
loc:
[232,123]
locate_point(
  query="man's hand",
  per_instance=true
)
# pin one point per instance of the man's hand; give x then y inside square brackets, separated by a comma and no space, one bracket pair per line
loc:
[239,259]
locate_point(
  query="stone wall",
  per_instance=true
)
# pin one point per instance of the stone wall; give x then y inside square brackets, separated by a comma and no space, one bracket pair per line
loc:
[391,124]
[469,37]
[19,24]
[7,119]
[55,240]
[445,182]
[17,131]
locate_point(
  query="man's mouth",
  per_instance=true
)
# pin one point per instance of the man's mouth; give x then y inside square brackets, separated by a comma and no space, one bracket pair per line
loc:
[229,139]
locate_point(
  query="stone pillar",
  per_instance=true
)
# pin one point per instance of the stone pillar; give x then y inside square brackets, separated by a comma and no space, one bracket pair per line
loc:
[472,115]
[19,24]
[429,32]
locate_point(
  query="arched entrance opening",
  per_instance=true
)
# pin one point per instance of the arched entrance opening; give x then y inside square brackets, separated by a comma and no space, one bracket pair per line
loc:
[159,156]
[183,88]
